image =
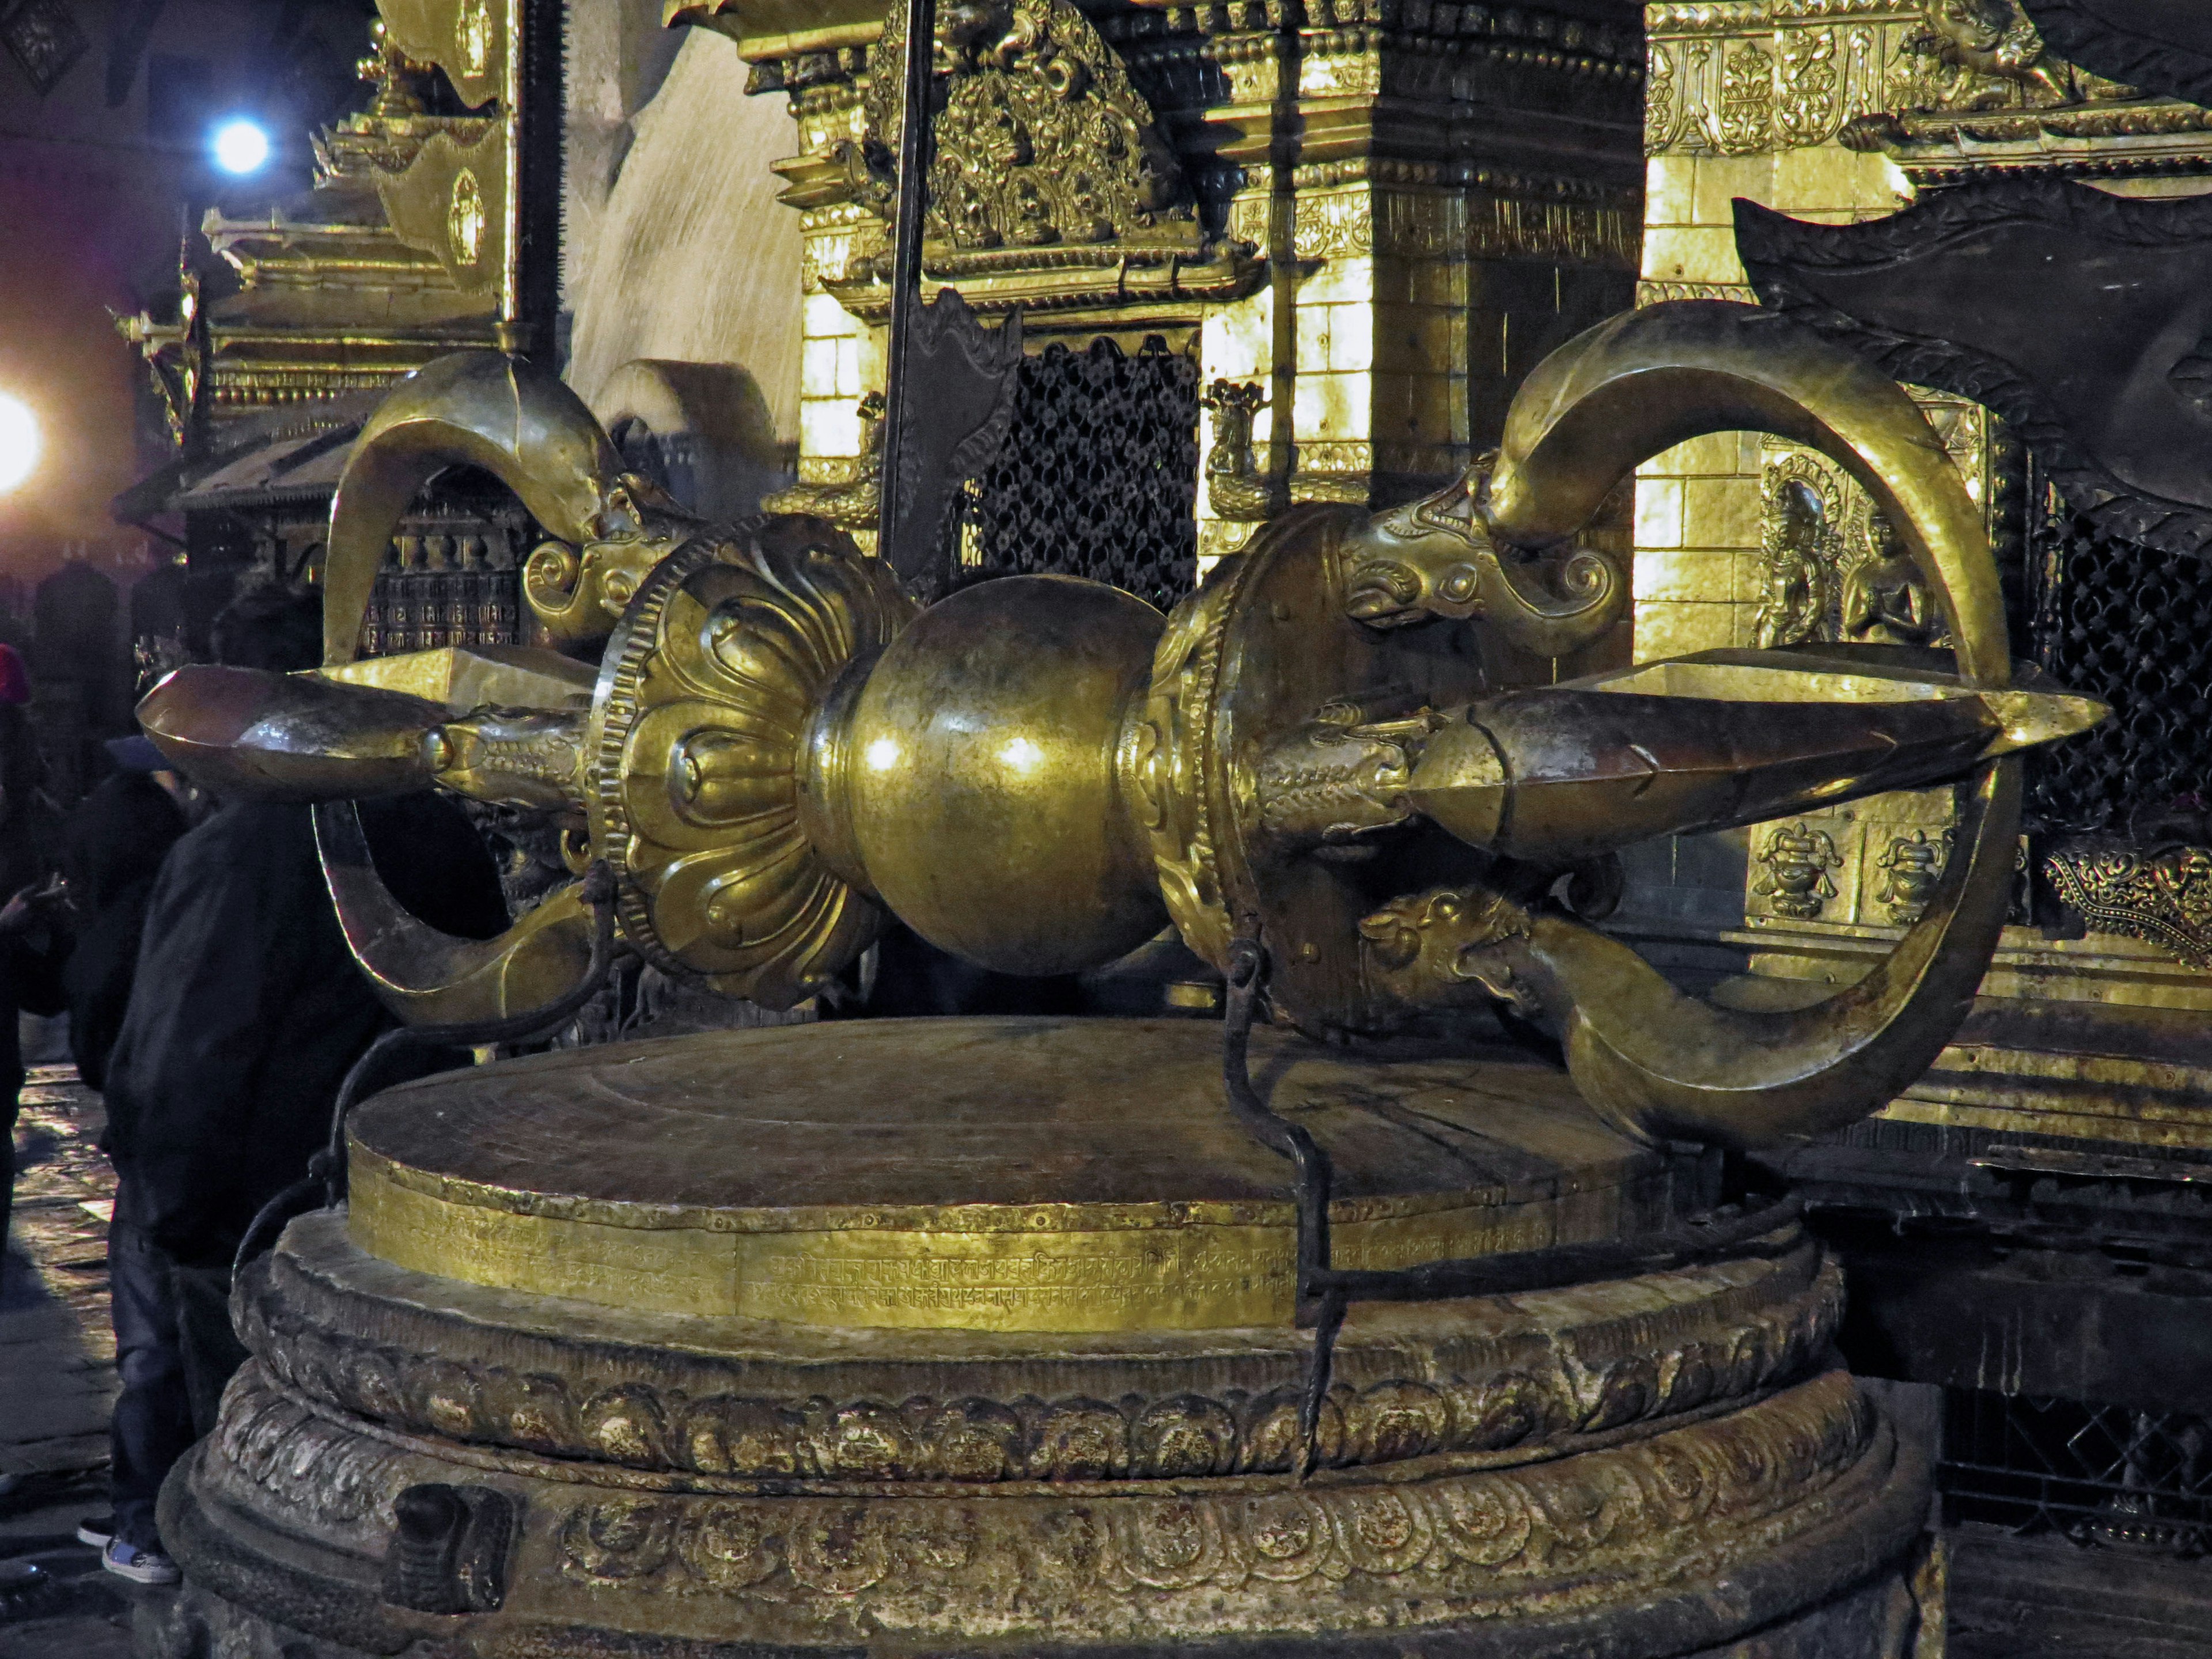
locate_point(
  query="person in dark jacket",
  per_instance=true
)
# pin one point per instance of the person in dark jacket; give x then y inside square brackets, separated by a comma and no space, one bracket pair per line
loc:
[111,848]
[30,953]
[245,1013]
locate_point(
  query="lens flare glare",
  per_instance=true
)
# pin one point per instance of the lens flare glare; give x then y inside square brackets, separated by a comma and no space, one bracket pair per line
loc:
[19,441]
[241,146]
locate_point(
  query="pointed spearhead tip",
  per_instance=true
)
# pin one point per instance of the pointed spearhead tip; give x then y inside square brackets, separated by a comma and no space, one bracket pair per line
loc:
[2026,719]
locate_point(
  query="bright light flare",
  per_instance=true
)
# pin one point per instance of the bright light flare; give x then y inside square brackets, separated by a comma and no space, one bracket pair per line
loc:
[19,441]
[241,146]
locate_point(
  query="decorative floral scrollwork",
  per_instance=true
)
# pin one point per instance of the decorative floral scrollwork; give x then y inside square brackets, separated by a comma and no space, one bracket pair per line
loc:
[1042,139]
[2162,895]
[716,671]
[1584,1388]
[1912,865]
[1435,558]
[1433,949]
[577,594]
[619,1538]
[1622,1510]
[1798,859]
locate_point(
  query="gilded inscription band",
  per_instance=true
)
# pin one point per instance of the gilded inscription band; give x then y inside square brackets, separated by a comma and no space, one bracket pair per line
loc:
[1187,1274]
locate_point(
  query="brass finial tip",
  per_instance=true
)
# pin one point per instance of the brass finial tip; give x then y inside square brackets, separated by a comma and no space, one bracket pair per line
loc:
[2026,719]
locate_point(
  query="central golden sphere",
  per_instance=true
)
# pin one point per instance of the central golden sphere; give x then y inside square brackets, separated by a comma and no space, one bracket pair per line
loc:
[976,778]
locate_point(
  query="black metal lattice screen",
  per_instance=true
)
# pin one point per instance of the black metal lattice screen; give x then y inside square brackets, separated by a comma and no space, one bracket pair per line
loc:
[2132,626]
[2094,1473]
[1098,476]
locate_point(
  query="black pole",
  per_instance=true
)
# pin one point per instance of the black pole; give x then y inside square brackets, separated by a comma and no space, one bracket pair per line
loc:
[913,201]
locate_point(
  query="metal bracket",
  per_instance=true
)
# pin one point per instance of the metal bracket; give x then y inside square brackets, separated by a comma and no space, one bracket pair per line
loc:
[1324,1292]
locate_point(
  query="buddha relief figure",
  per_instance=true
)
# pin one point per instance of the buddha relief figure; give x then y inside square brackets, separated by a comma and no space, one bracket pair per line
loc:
[1885,601]
[1996,39]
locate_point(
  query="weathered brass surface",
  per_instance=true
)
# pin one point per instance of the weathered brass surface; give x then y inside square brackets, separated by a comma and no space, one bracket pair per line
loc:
[466,678]
[1780,1503]
[1686,745]
[1306,730]
[1001,720]
[283,737]
[865,1176]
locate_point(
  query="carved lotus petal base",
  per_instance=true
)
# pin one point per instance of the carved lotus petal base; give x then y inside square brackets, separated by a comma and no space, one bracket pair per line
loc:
[1683,1533]
[1661,1466]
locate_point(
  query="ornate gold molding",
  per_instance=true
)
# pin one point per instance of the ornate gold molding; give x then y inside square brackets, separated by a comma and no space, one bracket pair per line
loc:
[1051,185]
[1933,83]
[2162,895]
[1418,211]
[1473,1388]
[715,674]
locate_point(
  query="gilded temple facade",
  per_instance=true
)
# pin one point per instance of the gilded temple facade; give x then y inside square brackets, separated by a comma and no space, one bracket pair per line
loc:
[412,244]
[1323,256]
[1348,306]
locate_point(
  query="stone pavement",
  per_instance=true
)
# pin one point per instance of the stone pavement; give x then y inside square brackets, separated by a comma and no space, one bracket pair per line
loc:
[57,1354]
[57,1379]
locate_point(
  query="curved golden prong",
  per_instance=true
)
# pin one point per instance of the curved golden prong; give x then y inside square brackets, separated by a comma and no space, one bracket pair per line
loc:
[528,429]
[1435,557]
[517,423]
[1657,1061]
[427,977]
[1662,1063]
[1648,379]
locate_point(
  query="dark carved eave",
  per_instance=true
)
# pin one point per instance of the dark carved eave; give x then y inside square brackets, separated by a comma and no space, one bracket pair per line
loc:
[2162,46]
[1786,260]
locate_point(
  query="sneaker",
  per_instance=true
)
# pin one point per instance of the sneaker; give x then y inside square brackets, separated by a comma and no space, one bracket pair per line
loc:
[96,1530]
[139,1567]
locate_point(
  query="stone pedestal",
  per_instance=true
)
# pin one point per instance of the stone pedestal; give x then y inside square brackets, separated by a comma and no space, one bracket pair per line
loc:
[960,1334]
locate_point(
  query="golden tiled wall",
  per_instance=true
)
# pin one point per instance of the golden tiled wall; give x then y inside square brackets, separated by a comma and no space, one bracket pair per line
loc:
[1417,204]
[1745,99]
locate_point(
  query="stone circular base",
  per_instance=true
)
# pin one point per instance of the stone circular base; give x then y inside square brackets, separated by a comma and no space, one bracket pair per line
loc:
[1664,1464]
[1875,1619]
